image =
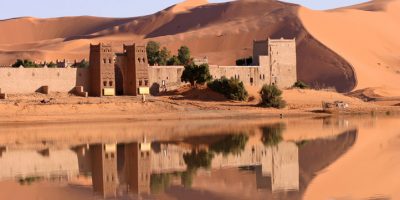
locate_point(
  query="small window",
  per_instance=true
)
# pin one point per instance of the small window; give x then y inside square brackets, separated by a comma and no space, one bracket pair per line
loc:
[109,60]
[260,76]
[140,82]
[106,155]
[142,154]
[138,60]
[146,82]
[105,83]
[263,76]
[110,83]
[148,154]
[112,155]
[105,60]
[144,60]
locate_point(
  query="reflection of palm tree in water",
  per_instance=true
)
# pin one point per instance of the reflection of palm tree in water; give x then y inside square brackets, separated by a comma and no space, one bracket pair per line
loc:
[272,134]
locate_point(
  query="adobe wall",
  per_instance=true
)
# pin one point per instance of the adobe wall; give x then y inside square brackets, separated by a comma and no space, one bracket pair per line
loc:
[29,80]
[165,78]
[250,75]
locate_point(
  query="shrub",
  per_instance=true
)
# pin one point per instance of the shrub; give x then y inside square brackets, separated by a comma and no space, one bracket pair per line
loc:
[196,74]
[26,63]
[51,65]
[232,88]
[301,85]
[271,97]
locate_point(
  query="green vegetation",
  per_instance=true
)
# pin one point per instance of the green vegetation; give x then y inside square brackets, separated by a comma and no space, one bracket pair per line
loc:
[83,64]
[26,63]
[29,180]
[196,74]
[187,178]
[271,97]
[244,61]
[51,65]
[301,85]
[160,182]
[198,159]
[272,134]
[232,88]
[162,56]
[232,144]
[173,61]
[153,51]
[184,55]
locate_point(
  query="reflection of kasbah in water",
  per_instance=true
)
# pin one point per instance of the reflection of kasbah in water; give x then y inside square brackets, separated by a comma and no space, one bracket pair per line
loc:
[144,168]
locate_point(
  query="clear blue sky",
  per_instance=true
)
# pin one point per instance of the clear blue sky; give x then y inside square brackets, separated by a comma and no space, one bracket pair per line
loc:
[117,8]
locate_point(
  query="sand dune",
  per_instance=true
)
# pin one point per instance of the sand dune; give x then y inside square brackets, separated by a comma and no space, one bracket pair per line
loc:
[224,32]
[366,35]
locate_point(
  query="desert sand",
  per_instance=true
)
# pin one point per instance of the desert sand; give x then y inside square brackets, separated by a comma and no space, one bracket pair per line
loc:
[366,35]
[185,103]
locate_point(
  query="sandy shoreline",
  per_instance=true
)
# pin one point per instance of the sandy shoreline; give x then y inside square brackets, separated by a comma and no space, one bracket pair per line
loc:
[63,108]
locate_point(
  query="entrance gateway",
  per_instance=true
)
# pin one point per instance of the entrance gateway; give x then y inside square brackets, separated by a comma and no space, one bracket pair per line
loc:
[121,73]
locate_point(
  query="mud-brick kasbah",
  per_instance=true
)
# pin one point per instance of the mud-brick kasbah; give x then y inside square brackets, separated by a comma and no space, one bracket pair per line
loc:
[125,73]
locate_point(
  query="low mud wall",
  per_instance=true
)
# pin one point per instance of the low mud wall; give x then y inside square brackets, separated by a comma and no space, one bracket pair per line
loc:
[30,80]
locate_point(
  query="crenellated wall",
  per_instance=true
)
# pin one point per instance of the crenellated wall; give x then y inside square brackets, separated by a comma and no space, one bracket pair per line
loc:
[29,80]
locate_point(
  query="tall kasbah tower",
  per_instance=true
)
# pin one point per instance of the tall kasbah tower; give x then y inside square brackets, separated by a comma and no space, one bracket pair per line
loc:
[283,65]
[137,72]
[102,72]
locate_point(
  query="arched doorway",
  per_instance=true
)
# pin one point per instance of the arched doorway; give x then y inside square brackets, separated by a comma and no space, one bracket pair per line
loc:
[119,81]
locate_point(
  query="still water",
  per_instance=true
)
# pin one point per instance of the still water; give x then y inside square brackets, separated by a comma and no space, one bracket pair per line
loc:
[313,158]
